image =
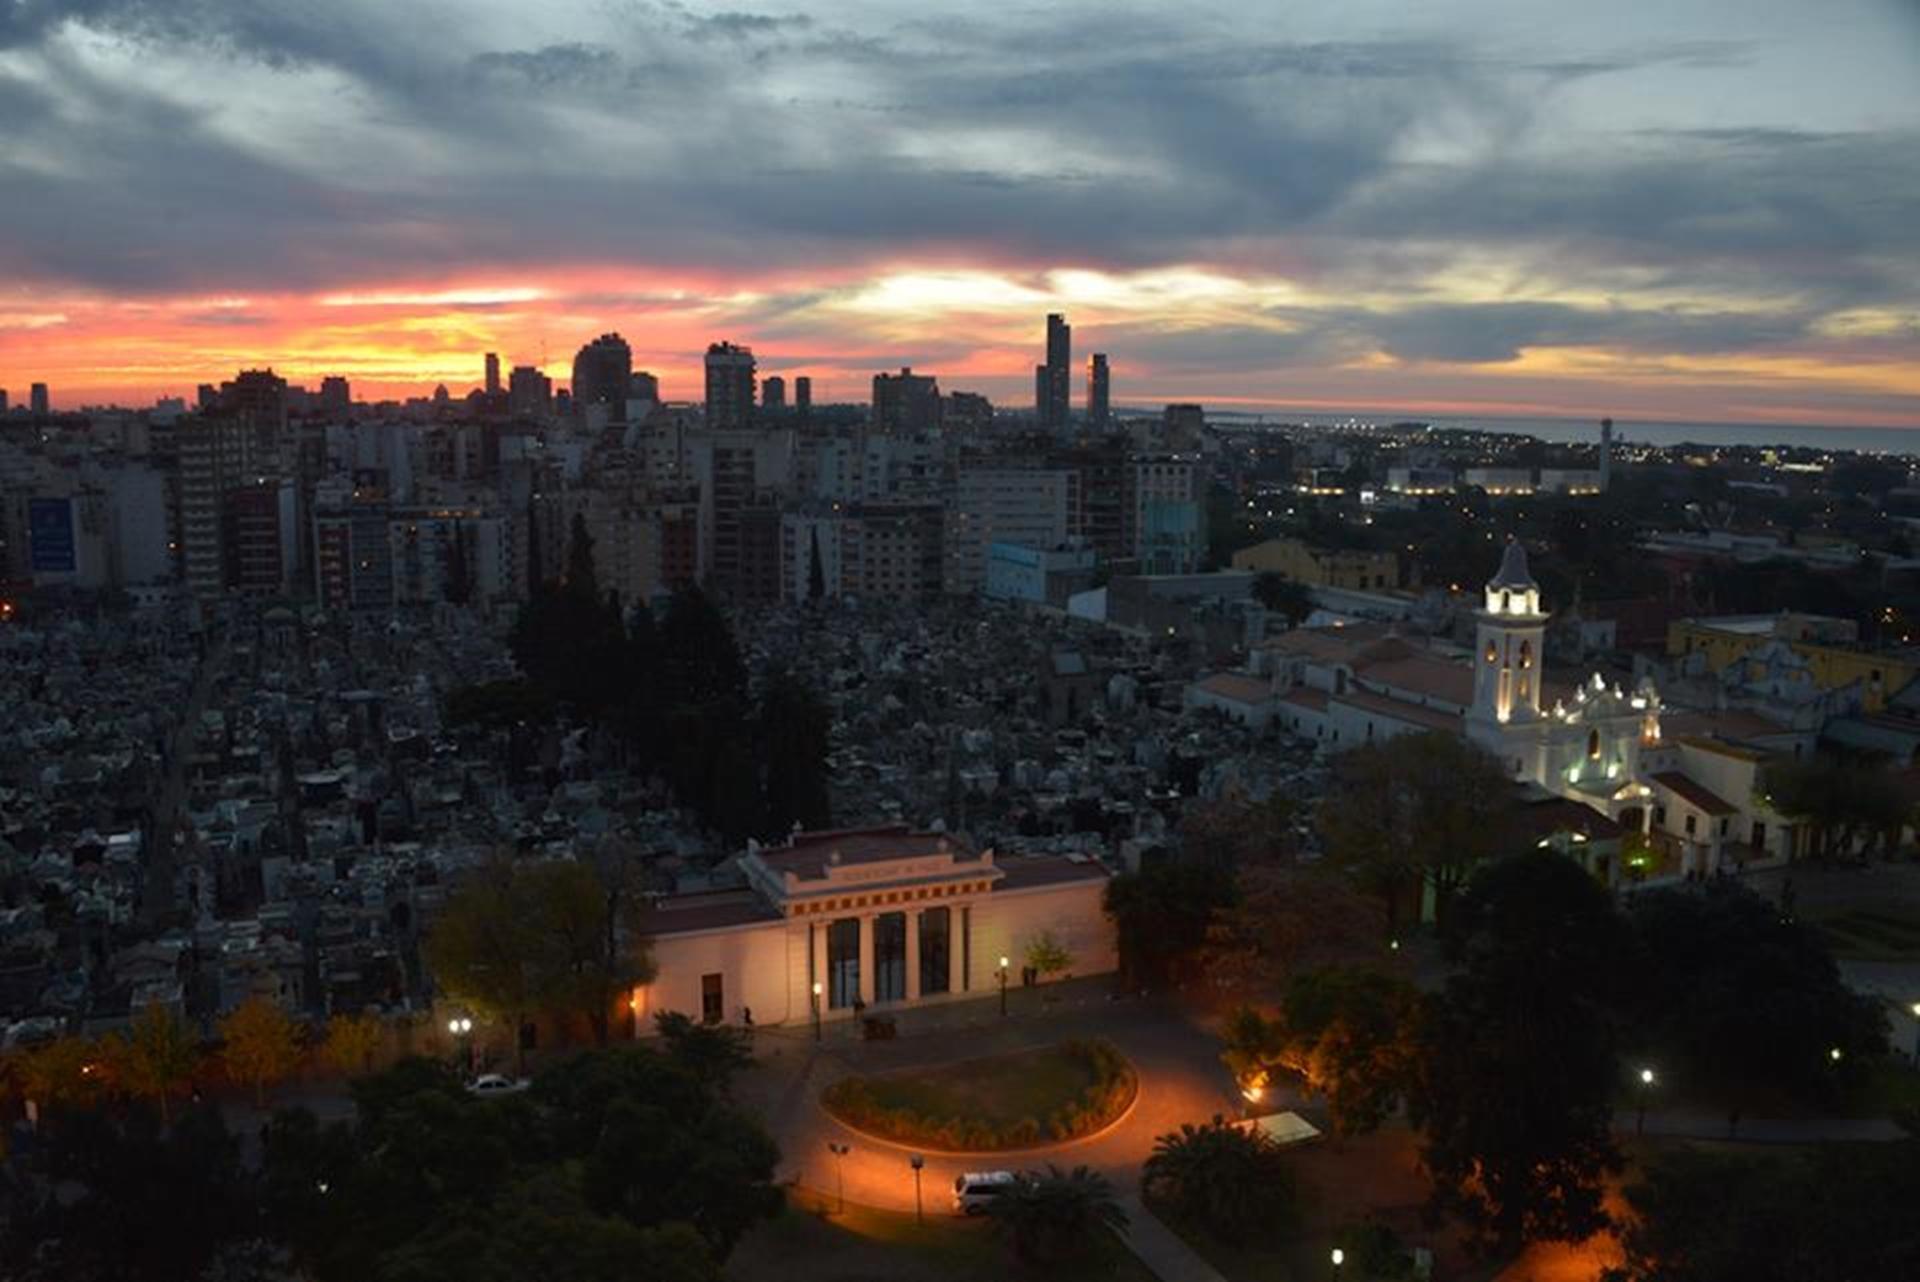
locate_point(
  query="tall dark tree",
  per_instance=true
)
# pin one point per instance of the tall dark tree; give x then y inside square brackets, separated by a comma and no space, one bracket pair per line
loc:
[1735,999]
[1417,813]
[1287,597]
[816,575]
[583,579]
[1517,1069]
[1161,914]
[793,742]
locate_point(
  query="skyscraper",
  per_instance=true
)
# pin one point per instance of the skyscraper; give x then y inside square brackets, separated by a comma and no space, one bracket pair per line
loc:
[37,399]
[1098,410]
[1606,453]
[802,395]
[1059,372]
[529,392]
[336,396]
[3,400]
[773,392]
[493,374]
[729,385]
[643,387]
[602,371]
[906,402]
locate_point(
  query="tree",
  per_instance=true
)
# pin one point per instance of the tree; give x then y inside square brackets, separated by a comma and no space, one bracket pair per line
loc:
[1059,1216]
[1828,1213]
[582,580]
[459,584]
[156,1057]
[795,736]
[67,1071]
[1232,1182]
[1284,596]
[519,938]
[1840,801]
[1286,919]
[351,1042]
[712,1053]
[1241,834]
[137,1199]
[1517,1065]
[1353,1036]
[1735,998]
[1046,955]
[262,1044]
[1162,913]
[1417,812]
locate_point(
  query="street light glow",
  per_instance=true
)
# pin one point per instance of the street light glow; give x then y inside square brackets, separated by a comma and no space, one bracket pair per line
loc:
[1339,1257]
[1646,1077]
[1003,963]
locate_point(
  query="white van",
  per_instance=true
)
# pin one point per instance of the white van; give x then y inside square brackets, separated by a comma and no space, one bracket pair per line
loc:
[975,1191]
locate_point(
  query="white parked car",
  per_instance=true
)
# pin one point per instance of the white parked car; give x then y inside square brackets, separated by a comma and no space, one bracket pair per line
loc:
[975,1191]
[495,1084]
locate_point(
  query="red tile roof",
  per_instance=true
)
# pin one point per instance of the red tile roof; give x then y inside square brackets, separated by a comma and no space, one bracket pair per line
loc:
[1694,794]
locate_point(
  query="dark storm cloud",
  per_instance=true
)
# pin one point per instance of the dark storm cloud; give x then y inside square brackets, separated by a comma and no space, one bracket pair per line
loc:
[1167,140]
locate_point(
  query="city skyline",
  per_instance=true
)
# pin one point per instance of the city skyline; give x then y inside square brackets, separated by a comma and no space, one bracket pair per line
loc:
[1500,211]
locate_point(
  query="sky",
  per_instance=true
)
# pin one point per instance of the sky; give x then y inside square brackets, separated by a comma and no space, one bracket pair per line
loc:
[1703,210]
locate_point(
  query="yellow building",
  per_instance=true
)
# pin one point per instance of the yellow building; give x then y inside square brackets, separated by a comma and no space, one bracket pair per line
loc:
[1815,643]
[1322,567]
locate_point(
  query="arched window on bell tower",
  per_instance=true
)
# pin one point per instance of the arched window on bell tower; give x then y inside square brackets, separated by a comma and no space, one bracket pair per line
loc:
[1593,745]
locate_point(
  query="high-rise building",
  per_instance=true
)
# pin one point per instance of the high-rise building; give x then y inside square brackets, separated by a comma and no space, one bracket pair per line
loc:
[493,374]
[37,399]
[3,400]
[773,392]
[205,397]
[1098,408]
[729,386]
[643,387]
[529,392]
[1606,453]
[1183,427]
[906,402]
[217,456]
[602,372]
[336,397]
[1042,382]
[802,395]
[1059,372]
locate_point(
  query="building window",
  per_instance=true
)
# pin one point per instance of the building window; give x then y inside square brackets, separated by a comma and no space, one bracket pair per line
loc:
[1660,816]
[890,957]
[713,1006]
[1593,745]
[1690,825]
[935,954]
[843,963]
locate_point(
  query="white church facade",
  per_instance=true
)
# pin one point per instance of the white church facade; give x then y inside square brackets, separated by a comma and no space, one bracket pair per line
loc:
[1682,779]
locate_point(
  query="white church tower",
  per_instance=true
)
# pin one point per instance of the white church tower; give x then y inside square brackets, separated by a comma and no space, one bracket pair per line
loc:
[1508,656]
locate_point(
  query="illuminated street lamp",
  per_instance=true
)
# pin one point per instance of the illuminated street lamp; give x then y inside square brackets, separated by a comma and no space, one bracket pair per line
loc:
[1003,985]
[917,1162]
[1339,1258]
[1646,1088]
[839,1152]
[462,1029]
[1915,1008]
[816,1010]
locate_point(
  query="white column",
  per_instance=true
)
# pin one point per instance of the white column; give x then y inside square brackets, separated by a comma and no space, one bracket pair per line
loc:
[956,948]
[913,953]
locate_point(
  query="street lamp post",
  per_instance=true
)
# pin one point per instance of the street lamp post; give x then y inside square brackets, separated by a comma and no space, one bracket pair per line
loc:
[1915,1008]
[1646,1087]
[816,1010]
[840,1151]
[462,1029]
[918,1162]
[1003,985]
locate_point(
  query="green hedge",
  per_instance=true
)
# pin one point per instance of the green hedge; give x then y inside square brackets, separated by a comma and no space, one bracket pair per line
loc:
[1114,1083]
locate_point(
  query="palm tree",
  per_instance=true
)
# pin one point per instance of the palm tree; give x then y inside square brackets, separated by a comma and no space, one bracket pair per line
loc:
[1061,1215]
[1227,1180]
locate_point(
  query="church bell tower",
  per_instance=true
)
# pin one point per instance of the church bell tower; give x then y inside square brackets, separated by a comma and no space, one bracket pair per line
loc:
[1508,650]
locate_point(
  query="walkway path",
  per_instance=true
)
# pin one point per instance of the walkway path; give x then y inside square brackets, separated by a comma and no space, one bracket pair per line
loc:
[1181,1080]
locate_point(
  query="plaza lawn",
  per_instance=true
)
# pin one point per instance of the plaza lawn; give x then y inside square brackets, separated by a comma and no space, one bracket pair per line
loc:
[1022,1100]
[861,1244]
